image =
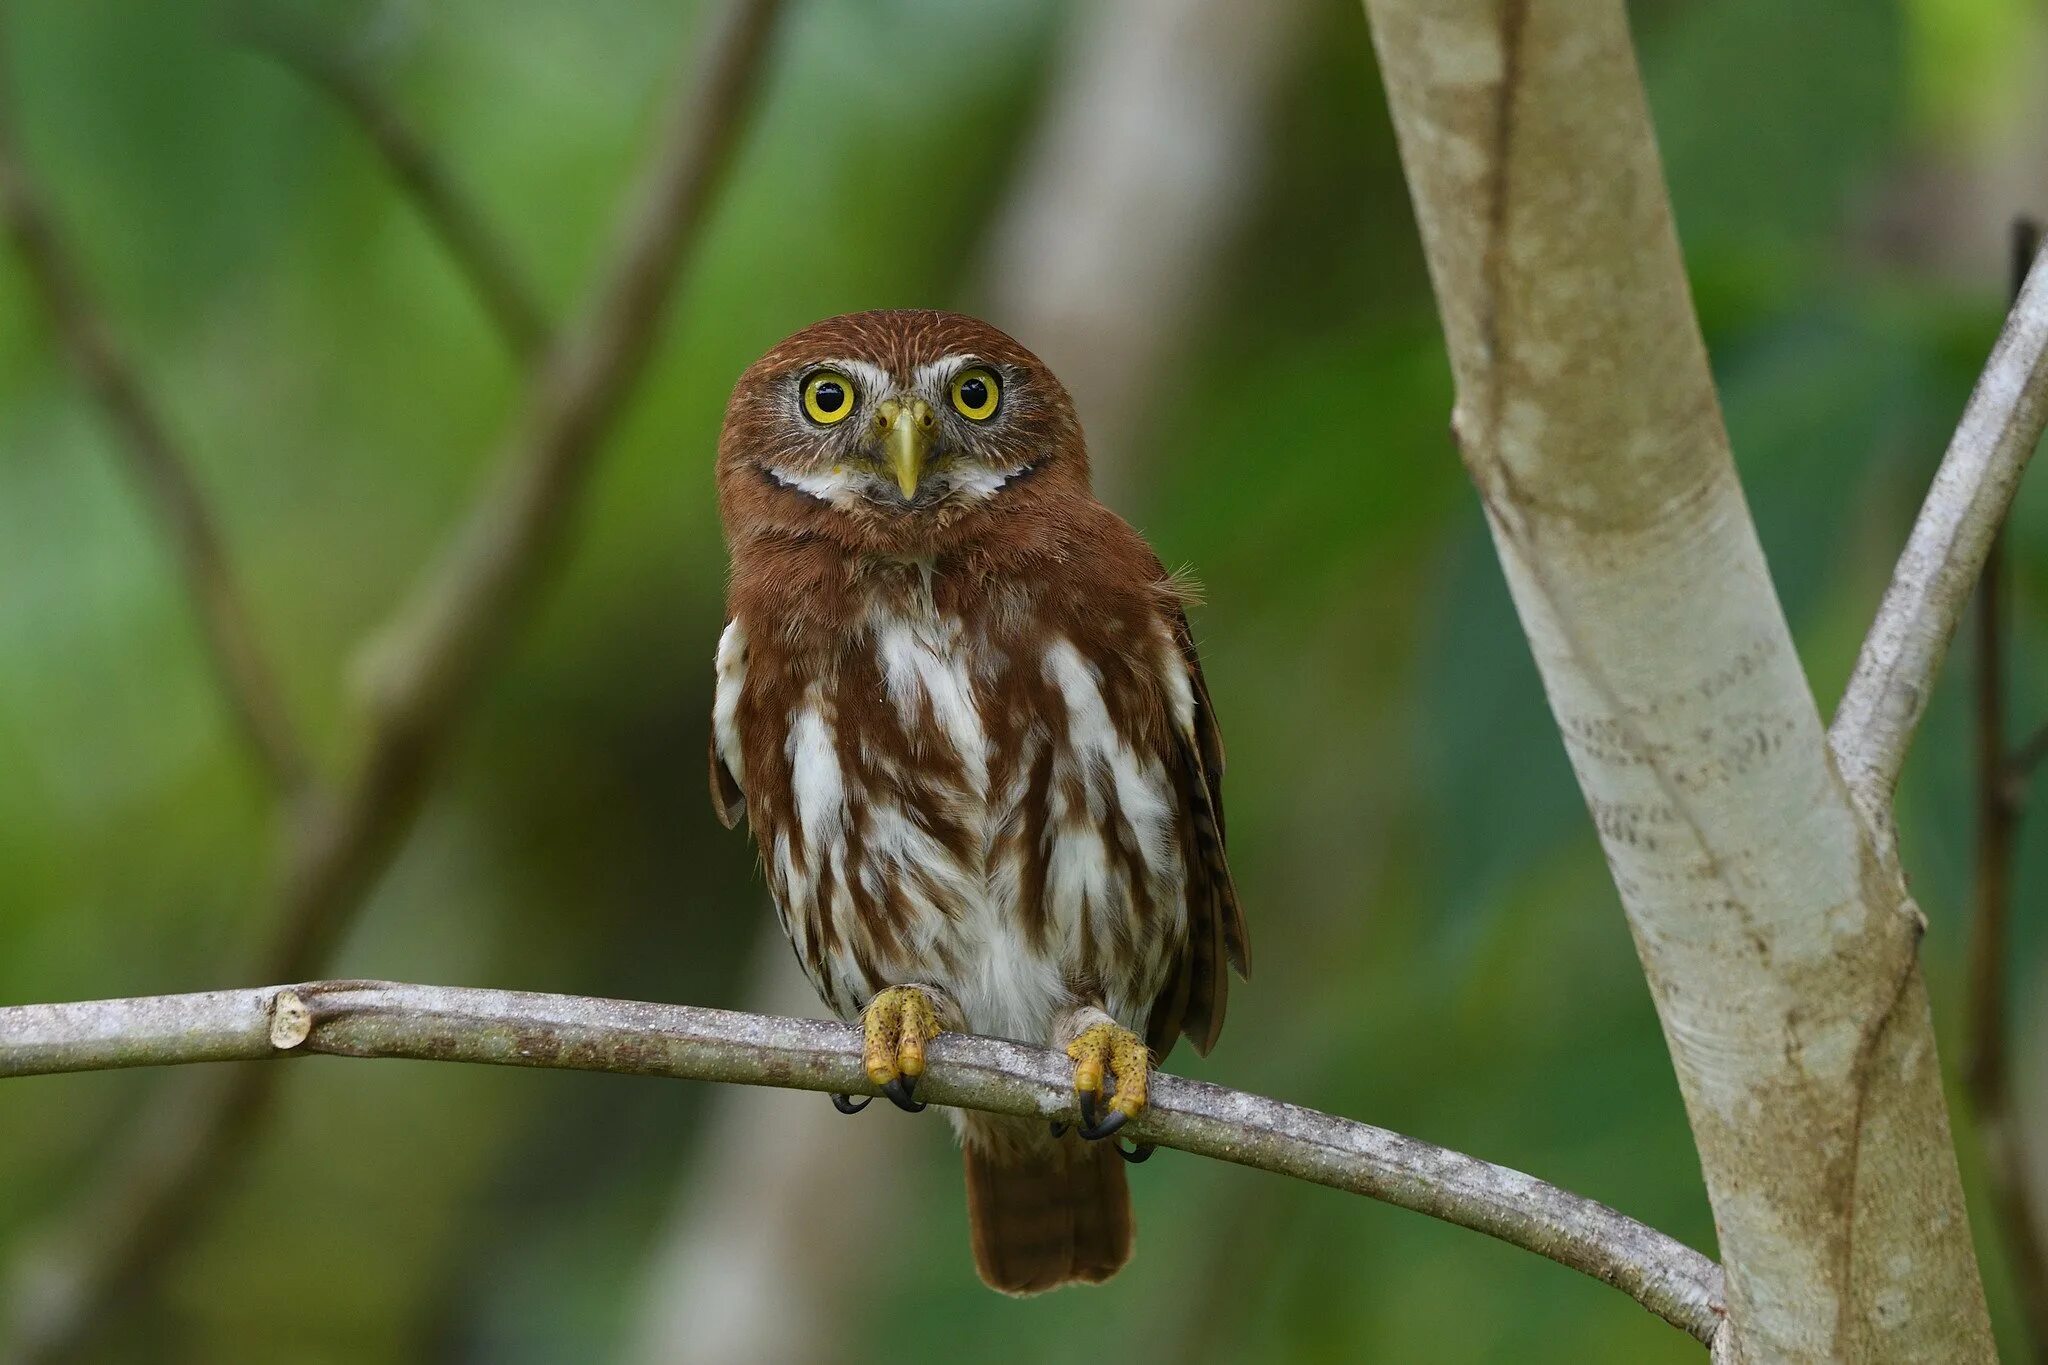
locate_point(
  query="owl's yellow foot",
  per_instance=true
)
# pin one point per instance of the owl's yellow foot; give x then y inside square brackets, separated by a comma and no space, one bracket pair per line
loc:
[897,1023]
[1101,1050]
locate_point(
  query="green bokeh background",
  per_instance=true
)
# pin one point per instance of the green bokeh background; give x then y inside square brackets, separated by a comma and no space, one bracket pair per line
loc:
[1439,949]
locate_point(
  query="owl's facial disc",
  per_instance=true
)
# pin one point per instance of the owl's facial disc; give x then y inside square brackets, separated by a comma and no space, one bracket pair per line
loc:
[935,436]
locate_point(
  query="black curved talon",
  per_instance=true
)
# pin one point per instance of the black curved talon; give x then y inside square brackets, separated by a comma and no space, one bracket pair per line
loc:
[1088,1103]
[898,1091]
[1096,1132]
[1058,1128]
[1138,1155]
[845,1105]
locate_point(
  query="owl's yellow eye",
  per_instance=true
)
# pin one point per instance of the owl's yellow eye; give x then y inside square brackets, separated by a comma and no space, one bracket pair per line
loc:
[828,397]
[976,394]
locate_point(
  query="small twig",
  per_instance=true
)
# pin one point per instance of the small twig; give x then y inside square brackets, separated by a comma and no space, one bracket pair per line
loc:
[509,1028]
[1966,505]
[1987,1066]
[2025,759]
[468,239]
[164,472]
[424,673]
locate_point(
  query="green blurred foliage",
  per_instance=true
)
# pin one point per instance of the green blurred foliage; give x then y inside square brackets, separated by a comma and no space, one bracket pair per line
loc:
[1439,949]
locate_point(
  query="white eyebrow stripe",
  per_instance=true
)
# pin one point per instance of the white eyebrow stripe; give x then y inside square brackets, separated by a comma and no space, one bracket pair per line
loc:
[933,374]
[874,381]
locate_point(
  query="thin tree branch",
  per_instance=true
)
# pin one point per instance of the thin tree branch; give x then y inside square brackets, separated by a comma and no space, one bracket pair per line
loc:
[510,1028]
[2027,757]
[422,673]
[478,252]
[163,471]
[427,658]
[2001,425]
[424,665]
[1987,1066]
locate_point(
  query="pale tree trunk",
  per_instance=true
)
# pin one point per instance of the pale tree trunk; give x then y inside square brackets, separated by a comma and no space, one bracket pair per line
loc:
[1137,177]
[767,1253]
[1773,923]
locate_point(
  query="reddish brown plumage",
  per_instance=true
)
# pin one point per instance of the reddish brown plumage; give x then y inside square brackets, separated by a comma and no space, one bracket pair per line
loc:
[970,733]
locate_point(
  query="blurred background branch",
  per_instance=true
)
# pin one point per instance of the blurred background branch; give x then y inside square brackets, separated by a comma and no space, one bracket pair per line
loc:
[161,469]
[440,1023]
[465,234]
[2002,777]
[424,670]
[1140,171]
[744,1271]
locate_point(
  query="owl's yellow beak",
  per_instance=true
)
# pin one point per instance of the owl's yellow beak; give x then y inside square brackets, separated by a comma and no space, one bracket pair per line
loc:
[906,426]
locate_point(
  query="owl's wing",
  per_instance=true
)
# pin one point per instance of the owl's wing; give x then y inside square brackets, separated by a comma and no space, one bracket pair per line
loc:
[727,800]
[1192,1003]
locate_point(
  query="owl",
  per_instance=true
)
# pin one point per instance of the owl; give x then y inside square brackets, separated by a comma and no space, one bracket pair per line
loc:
[958,703]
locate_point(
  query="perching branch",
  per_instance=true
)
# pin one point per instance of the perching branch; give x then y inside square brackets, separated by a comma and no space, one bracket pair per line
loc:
[1987,1065]
[1973,488]
[422,675]
[477,251]
[511,1028]
[162,469]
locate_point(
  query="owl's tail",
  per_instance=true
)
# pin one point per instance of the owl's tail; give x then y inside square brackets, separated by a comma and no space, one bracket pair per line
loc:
[1048,1213]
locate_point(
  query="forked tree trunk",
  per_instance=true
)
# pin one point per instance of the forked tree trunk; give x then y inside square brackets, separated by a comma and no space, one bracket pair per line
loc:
[1773,923]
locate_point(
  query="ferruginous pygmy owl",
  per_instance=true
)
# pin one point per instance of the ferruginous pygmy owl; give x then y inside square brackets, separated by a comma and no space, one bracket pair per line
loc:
[959,705]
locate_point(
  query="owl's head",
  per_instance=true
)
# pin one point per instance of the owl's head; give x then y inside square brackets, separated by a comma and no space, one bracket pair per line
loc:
[902,431]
